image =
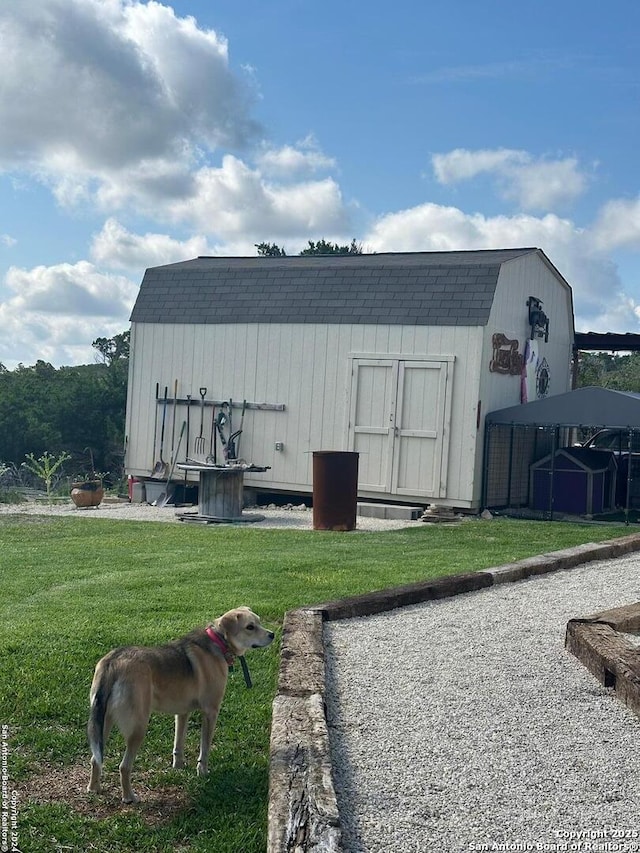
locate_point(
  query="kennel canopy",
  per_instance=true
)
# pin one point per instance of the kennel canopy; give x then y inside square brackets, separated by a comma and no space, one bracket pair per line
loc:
[592,406]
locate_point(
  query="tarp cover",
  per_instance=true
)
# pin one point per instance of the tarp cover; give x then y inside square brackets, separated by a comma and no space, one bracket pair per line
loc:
[594,407]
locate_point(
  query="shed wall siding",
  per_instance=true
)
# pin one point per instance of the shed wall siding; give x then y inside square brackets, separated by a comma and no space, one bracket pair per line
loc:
[306,368]
[518,280]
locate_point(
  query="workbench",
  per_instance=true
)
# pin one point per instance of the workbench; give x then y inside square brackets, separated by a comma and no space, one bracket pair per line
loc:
[220,493]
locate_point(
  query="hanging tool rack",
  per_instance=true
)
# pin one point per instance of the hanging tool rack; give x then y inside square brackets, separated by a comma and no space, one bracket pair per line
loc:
[195,401]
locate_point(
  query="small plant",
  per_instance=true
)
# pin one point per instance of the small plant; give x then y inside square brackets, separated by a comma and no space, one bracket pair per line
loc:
[46,467]
[9,493]
[90,476]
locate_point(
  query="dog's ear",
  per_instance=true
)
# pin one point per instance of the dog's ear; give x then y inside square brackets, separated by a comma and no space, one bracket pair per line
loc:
[225,623]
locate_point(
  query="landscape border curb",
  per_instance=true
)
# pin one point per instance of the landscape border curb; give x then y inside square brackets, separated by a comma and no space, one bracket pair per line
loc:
[303,810]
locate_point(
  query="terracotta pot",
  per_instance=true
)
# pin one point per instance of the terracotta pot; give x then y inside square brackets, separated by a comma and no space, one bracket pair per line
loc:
[87,493]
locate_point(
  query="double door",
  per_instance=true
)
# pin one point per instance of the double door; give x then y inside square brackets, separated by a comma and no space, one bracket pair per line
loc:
[399,424]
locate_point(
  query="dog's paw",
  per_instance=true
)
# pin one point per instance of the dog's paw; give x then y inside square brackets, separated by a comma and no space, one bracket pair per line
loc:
[92,788]
[178,763]
[131,799]
[203,770]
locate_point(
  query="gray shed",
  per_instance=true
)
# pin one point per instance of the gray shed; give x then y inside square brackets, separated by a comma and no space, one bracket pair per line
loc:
[395,356]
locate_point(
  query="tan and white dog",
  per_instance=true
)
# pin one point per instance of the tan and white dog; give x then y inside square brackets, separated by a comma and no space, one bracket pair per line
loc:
[186,675]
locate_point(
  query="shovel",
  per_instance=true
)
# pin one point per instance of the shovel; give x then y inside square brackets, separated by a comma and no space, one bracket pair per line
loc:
[164,498]
[160,469]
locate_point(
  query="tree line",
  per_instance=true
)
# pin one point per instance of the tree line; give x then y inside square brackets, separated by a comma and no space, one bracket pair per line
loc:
[616,372]
[75,410]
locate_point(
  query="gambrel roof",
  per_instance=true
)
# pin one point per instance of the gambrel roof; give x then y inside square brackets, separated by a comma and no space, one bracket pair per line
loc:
[417,288]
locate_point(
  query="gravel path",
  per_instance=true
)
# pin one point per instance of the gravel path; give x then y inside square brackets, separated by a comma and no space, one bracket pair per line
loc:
[274,518]
[464,725]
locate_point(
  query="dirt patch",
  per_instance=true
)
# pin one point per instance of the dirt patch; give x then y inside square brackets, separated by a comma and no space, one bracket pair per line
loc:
[158,805]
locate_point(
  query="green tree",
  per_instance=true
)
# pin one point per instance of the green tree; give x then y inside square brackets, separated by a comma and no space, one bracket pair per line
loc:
[322,247]
[113,349]
[49,410]
[270,250]
[617,372]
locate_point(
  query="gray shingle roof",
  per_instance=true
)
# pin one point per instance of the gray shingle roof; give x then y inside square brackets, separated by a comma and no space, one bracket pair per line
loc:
[588,406]
[419,288]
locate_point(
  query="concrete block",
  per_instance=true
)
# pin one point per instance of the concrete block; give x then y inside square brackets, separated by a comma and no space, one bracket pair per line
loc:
[389,511]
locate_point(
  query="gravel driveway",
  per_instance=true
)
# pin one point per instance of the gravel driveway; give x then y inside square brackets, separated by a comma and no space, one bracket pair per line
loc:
[464,725]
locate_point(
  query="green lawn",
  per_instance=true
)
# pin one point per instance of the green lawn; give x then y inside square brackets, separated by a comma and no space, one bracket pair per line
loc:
[72,589]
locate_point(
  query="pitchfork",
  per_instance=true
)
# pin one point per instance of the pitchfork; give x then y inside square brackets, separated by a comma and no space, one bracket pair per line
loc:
[200,444]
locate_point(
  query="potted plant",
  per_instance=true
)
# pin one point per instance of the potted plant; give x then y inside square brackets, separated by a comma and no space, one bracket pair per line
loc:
[88,490]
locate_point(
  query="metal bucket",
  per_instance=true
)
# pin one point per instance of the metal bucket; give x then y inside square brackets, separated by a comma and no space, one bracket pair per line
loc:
[335,489]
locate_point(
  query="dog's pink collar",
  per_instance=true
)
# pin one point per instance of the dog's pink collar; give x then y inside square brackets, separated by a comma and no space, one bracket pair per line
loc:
[221,643]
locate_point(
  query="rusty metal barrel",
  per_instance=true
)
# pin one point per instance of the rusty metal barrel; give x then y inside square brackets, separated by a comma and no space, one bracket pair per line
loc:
[335,489]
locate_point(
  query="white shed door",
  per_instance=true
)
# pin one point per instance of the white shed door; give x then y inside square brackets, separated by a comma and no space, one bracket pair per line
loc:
[399,423]
[371,423]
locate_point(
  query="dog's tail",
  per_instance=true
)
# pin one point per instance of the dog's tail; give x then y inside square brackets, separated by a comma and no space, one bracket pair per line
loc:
[100,693]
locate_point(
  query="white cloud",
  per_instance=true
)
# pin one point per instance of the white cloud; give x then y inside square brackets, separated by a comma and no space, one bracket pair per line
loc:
[79,289]
[7,240]
[122,105]
[114,247]
[534,184]
[304,158]
[618,225]
[462,165]
[543,185]
[56,312]
[534,67]
[235,202]
[139,101]
[600,302]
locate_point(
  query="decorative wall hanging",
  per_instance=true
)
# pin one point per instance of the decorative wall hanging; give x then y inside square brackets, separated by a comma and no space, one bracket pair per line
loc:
[529,372]
[538,320]
[543,379]
[506,359]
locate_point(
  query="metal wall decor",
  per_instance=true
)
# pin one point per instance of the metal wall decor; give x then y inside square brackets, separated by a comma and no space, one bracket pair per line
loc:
[505,359]
[538,320]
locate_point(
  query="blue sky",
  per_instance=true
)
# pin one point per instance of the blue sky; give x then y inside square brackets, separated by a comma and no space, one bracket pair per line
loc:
[134,134]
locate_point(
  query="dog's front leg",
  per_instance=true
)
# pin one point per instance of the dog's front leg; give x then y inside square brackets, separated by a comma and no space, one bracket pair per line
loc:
[206,736]
[178,741]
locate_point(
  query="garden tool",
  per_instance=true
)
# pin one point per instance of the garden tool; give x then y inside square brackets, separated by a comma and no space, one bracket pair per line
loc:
[175,409]
[200,445]
[234,438]
[212,457]
[165,497]
[155,425]
[221,421]
[160,469]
